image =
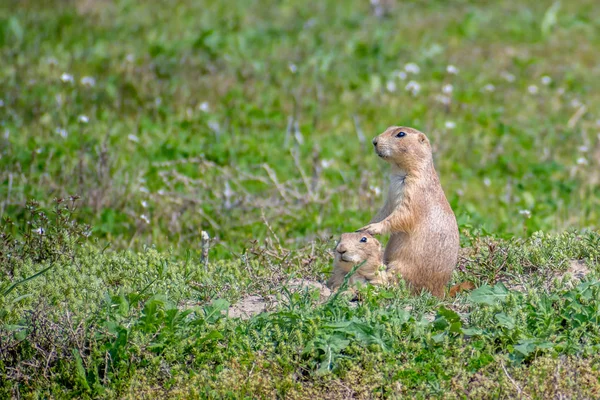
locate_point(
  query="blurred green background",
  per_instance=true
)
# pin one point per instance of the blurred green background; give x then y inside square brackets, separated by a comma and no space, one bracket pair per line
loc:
[241,117]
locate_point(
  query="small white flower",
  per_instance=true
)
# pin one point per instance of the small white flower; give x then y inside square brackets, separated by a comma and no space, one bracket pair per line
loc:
[376,190]
[532,89]
[158,101]
[39,150]
[130,58]
[487,181]
[507,76]
[6,133]
[83,119]
[144,189]
[293,68]
[525,213]
[399,74]
[62,132]
[88,81]
[460,192]
[390,86]
[204,106]
[582,161]
[326,163]
[447,88]
[583,149]
[145,218]
[59,100]
[413,87]
[576,103]
[442,99]
[450,125]
[161,192]
[144,203]
[52,61]
[451,69]
[133,138]
[489,88]
[214,125]
[546,80]
[39,231]
[66,78]
[560,91]
[412,68]
[1,103]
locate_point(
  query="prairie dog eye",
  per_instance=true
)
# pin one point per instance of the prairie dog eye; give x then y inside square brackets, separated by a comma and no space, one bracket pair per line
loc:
[400,134]
[363,239]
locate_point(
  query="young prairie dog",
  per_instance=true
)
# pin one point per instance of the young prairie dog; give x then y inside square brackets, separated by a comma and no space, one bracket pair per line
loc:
[351,250]
[424,242]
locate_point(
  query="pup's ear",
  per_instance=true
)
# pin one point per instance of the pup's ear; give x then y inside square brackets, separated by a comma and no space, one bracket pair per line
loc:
[422,138]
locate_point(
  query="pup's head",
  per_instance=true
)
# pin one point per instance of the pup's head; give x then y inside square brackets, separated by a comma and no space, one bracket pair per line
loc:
[404,147]
[354,248]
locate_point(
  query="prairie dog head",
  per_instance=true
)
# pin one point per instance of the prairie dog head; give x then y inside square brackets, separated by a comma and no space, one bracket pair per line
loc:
[354,248]
[404,147]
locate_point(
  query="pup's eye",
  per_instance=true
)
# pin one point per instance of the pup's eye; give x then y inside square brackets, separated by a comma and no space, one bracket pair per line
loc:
[363,239]
[401,134]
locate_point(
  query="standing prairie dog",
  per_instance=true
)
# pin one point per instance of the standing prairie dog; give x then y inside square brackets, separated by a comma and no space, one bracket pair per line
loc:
[351,250]
[424,242]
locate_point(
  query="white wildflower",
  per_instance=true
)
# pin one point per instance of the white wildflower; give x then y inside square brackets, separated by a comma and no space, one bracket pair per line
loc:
[546,80]
[214,125]
[390,86]
[376,190]
[130,58]
[144,189]
[6,134]
[326,163]
[583,149]
[293,68]
[66,78]
[525,213]
[576,103]
[489,88]
[62,132]
[412,68]
[1,103]
[88,81]
[532,89]
[487,181]
[158,101]
[582,161]
[399,74]
[39,231]
[413,87]
[145,218]
[52,61]
[450,125]
[204,106]
[144,203]
[560,91]
[161,192]
[442,99]
[83,119]
[507,76]
[451,69]
[133,138]
[447,88]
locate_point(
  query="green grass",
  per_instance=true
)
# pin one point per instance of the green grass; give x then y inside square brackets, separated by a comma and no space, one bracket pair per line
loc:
[252,121]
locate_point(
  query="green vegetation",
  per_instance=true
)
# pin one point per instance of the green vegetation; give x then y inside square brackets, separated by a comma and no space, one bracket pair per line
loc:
[252,121]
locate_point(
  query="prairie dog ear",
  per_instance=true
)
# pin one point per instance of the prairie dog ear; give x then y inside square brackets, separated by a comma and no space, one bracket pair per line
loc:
[422,138]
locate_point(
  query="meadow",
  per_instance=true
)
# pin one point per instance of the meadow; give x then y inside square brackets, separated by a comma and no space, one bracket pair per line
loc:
[128,128]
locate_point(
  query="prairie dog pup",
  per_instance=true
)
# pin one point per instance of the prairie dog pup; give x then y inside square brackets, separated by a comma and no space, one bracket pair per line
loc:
[351,250]
[424,242]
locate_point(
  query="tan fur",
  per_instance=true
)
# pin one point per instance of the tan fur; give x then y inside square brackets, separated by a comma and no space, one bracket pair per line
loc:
[424,242]
[350,251]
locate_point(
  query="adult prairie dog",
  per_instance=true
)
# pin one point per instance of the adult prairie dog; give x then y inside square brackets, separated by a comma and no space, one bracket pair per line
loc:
[353,249]
[424,242]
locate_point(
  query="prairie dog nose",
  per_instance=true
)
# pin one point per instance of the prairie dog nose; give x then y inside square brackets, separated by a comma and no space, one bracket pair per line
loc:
[374,141]
[341,249]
